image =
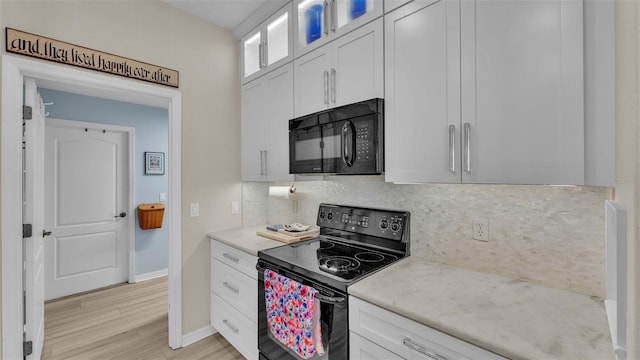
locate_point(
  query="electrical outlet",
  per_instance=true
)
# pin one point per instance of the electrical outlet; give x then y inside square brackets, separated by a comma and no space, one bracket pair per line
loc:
[235,207]
[481,229]
[194,210]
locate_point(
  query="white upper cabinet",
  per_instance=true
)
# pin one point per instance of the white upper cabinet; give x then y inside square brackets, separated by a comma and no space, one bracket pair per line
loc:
[269,46]
[485,91]
[317,22]
[348,70]
[267,107]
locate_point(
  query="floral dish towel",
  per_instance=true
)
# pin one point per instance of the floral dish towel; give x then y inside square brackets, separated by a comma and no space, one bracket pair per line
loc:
[290,313]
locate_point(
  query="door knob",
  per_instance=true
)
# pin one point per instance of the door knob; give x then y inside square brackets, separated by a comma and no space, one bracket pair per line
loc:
[45,233]
[121,215]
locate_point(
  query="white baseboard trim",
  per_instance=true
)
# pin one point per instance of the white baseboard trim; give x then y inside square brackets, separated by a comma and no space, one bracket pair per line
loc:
[151,275]
[195,336]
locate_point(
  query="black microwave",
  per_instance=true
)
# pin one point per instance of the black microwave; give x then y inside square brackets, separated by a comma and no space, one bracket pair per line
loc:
[347,140]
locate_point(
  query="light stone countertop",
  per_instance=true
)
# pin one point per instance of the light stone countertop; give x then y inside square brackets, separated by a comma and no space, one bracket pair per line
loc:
[245,239]
[512,318]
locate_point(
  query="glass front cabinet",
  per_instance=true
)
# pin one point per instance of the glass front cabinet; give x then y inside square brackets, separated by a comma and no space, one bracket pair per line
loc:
[318,21]
[268,46]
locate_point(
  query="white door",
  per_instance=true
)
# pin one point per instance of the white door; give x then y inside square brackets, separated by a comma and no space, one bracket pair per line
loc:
[311,81]
[279,84]
[33,251]
[422,92]
[86,207]
[357,65]
[523,91]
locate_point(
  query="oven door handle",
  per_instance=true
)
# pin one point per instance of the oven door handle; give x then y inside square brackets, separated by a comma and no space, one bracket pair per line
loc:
[337,300]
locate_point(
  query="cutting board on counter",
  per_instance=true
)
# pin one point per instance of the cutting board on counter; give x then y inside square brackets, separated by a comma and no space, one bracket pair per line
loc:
[289,237]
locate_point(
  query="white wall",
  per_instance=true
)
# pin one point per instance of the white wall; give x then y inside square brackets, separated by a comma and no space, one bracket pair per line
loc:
[206,57]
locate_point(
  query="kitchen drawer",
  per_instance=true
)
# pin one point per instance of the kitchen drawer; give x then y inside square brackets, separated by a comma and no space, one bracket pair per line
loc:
[363,349]
[407,338]
[236,328]
[235,258]
[236,288]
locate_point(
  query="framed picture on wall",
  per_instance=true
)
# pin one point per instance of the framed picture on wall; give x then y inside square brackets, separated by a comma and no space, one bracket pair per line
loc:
[153,163]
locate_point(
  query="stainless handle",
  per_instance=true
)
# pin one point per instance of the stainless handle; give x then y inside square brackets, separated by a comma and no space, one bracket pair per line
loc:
[266,163]
[261,164]
[234,329]
[326,87]
[333,85]
[121,215]
[260,55]
[348,143]
[325,18]
[230,257]
[334,15]
[419,348]
[452,148]
[265,54]
[228,286]
[330,299]
[467,147]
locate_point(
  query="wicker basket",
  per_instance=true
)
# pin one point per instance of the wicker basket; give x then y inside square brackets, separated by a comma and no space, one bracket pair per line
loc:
[150,216]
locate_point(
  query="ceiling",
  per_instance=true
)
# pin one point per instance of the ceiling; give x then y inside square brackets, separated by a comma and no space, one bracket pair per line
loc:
[228,14]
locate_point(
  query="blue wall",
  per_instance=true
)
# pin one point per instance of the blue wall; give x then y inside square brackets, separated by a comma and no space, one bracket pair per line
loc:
[152,134]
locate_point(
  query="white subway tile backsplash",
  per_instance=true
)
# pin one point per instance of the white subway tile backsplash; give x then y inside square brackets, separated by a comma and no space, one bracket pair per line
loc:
[551,235]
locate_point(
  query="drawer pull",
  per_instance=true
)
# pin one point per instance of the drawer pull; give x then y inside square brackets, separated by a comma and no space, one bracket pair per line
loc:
[419,348]
[233,328]
[231,257]
[226,284]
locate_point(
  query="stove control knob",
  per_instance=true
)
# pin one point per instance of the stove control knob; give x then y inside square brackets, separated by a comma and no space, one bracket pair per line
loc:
[395,226]
[322,215]
[384,224]
[330,216]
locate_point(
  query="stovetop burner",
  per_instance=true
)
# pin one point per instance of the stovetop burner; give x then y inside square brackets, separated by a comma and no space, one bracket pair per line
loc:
[369,256]
[338,264]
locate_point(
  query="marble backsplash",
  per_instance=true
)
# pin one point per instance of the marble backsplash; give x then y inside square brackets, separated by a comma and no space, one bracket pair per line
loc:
[551,235]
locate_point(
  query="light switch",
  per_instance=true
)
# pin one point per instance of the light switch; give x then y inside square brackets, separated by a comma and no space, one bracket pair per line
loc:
[235,207]
[163,197]
[194,210]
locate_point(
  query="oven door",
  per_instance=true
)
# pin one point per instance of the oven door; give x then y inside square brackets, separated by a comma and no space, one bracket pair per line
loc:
[333,318]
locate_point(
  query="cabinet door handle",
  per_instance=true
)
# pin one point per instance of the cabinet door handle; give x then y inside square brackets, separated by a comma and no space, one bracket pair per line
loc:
[467,147]
[421,349]
[266,163]
[233,328]
[334,15]
[325,18]
[228,286]
[260,55]
[333,85]
[231,257]
[452,148]
[326,87]
[265,54]
[261,164]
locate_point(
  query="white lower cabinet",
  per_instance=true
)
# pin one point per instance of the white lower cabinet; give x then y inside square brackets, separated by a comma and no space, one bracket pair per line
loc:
[234,297]
[377,333]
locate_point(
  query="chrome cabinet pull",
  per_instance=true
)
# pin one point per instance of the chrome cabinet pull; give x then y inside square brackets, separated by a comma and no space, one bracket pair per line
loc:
[419,348]
[233,328]
[228,286]
[231,257]
[467,147]
[261,164]
[265,54]
[325,18]
[334,15]
[333,85]
[266,163]
[260,55]
[326,87]
[452,148]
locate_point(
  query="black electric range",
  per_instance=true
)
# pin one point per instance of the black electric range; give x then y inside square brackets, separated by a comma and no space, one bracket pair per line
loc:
[354,242]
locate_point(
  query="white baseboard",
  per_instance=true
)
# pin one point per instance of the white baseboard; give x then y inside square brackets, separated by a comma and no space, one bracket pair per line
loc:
[151,275]
[195,336]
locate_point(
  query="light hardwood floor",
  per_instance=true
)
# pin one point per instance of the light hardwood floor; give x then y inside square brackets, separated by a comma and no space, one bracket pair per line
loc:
[127,321]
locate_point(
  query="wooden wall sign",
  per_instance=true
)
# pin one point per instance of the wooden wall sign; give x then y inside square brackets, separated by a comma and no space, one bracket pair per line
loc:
[24,43]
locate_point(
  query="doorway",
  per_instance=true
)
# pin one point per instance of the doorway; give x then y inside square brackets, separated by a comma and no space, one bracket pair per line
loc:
[14,71]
